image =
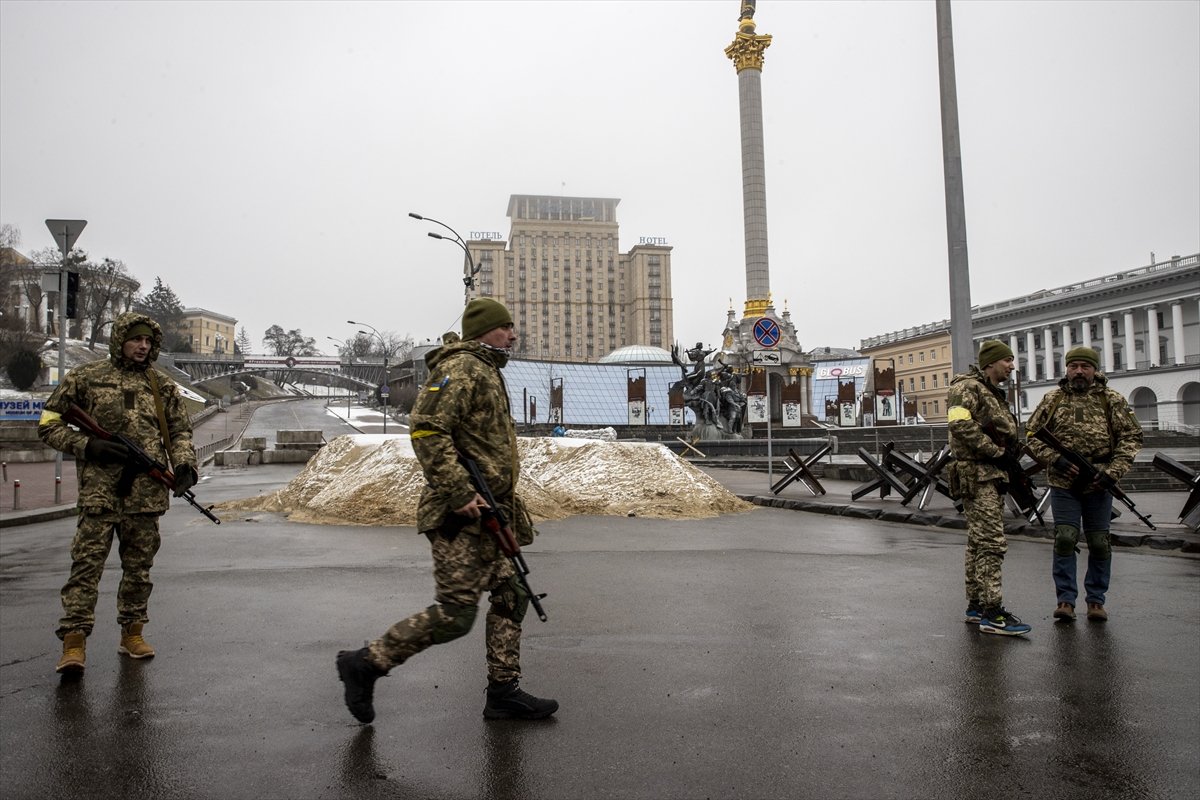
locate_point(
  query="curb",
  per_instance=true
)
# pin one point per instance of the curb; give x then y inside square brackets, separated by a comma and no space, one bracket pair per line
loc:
[15,518]
[1162,541]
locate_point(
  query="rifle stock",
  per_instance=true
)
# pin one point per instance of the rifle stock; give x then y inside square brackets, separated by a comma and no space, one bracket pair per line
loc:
[139,459]
[497,525]
[1088,473]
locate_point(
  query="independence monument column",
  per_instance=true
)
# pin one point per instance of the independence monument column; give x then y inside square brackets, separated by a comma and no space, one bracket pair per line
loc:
[762,343]
[746,52]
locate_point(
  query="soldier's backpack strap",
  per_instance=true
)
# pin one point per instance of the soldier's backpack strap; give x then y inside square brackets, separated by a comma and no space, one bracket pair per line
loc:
[158,407]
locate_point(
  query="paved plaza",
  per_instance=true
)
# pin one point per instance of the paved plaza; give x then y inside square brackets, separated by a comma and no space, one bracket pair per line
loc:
[768,654]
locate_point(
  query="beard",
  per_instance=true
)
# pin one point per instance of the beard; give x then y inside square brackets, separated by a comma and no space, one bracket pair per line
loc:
[1079,384]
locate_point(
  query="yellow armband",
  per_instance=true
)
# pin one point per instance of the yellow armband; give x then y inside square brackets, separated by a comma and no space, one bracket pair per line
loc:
[48,416]
[956,413]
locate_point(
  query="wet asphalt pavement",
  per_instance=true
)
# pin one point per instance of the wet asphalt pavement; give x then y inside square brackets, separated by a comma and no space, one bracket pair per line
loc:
[769,654]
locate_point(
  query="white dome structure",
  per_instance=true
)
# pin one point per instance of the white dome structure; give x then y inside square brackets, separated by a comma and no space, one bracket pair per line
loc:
[637,354]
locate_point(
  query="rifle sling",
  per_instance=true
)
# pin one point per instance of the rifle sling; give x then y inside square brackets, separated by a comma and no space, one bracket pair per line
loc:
[162,416]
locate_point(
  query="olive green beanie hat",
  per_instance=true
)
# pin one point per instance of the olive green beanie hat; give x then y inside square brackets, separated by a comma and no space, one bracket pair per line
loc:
[484,314]
[1084,354]
[139,329]
[993,350]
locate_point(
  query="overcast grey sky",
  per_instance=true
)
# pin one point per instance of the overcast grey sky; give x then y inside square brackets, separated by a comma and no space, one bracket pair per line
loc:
[262,157]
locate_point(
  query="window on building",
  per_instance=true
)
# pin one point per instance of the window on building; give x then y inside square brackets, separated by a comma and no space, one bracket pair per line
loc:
[922,382]
[924,408]
[912,385]
[935,380]
[910,359]
[935,407]
[922,357]
[933,355]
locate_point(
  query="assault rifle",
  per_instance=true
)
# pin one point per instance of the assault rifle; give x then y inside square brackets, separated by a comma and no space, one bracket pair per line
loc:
[1088,474]
[1020,485]
[139,460]
[495,523]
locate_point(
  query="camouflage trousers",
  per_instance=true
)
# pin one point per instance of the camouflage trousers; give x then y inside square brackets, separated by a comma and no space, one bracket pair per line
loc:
[461,575]
[986,545]
[138,542]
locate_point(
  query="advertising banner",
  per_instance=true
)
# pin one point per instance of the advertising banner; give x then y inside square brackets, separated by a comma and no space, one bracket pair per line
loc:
[791,396]
[886,411]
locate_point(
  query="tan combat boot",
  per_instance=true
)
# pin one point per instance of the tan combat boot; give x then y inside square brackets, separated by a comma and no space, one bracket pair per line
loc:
[74,645]
[132,643]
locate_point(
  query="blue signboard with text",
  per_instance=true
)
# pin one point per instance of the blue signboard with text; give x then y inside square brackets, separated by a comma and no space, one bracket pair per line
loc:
[21,408]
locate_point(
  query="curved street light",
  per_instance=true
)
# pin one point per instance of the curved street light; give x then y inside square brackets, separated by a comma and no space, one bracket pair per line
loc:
[469,268]
[345,345]
[382,349]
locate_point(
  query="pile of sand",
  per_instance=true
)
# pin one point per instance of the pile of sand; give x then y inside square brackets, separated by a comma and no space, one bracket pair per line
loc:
[376,480]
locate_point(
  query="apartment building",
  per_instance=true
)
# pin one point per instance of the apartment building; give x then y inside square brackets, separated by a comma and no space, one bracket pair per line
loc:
[573,294]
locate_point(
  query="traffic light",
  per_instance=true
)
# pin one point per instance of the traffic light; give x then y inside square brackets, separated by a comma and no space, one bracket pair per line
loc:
[72,291]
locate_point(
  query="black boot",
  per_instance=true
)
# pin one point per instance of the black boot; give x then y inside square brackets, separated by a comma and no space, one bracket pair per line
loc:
[508,701]
[359,675]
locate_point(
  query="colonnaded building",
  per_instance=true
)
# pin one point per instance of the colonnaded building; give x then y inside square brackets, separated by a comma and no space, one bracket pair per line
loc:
[573,294]
[1144,323]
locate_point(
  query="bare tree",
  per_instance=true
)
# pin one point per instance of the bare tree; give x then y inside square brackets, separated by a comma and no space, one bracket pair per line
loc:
[101,291]
[289,343]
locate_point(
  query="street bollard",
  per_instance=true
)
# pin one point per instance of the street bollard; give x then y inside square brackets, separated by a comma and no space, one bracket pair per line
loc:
[4,469]
[57,491]
[17,495]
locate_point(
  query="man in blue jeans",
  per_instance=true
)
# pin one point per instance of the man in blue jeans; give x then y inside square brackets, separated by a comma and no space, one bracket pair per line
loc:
[1097,423]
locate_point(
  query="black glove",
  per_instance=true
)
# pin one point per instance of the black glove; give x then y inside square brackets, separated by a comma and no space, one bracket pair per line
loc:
[105,452]
[185,478]
[1063,464]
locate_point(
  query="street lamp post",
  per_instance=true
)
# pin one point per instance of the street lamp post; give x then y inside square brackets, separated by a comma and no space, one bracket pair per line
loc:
[469,268]
[345,345]
[383,349]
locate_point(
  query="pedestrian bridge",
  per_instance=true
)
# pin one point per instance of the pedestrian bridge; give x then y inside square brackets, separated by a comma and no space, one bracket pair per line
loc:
[357,373]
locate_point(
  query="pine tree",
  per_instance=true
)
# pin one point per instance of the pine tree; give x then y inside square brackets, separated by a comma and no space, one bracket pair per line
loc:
[164,306]
[241,344]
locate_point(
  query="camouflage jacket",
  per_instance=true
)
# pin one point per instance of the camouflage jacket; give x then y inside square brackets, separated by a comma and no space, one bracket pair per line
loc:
[116,392]
[464,408]
[974,408]
[1097,423]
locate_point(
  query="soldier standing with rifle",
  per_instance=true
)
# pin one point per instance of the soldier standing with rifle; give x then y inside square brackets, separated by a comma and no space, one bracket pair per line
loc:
[128,397]
[983,437]
[1096,423]
[461,422]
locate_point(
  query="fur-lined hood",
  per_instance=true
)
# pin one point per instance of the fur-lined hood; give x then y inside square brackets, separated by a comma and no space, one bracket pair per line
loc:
[121,328]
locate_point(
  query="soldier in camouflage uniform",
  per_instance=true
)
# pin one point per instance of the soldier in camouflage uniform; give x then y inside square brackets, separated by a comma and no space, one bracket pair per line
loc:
[1097,423]
[120,394]
[462,409]
[982,429]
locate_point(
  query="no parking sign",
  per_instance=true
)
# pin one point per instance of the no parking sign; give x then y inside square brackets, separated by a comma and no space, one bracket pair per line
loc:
[766,332]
